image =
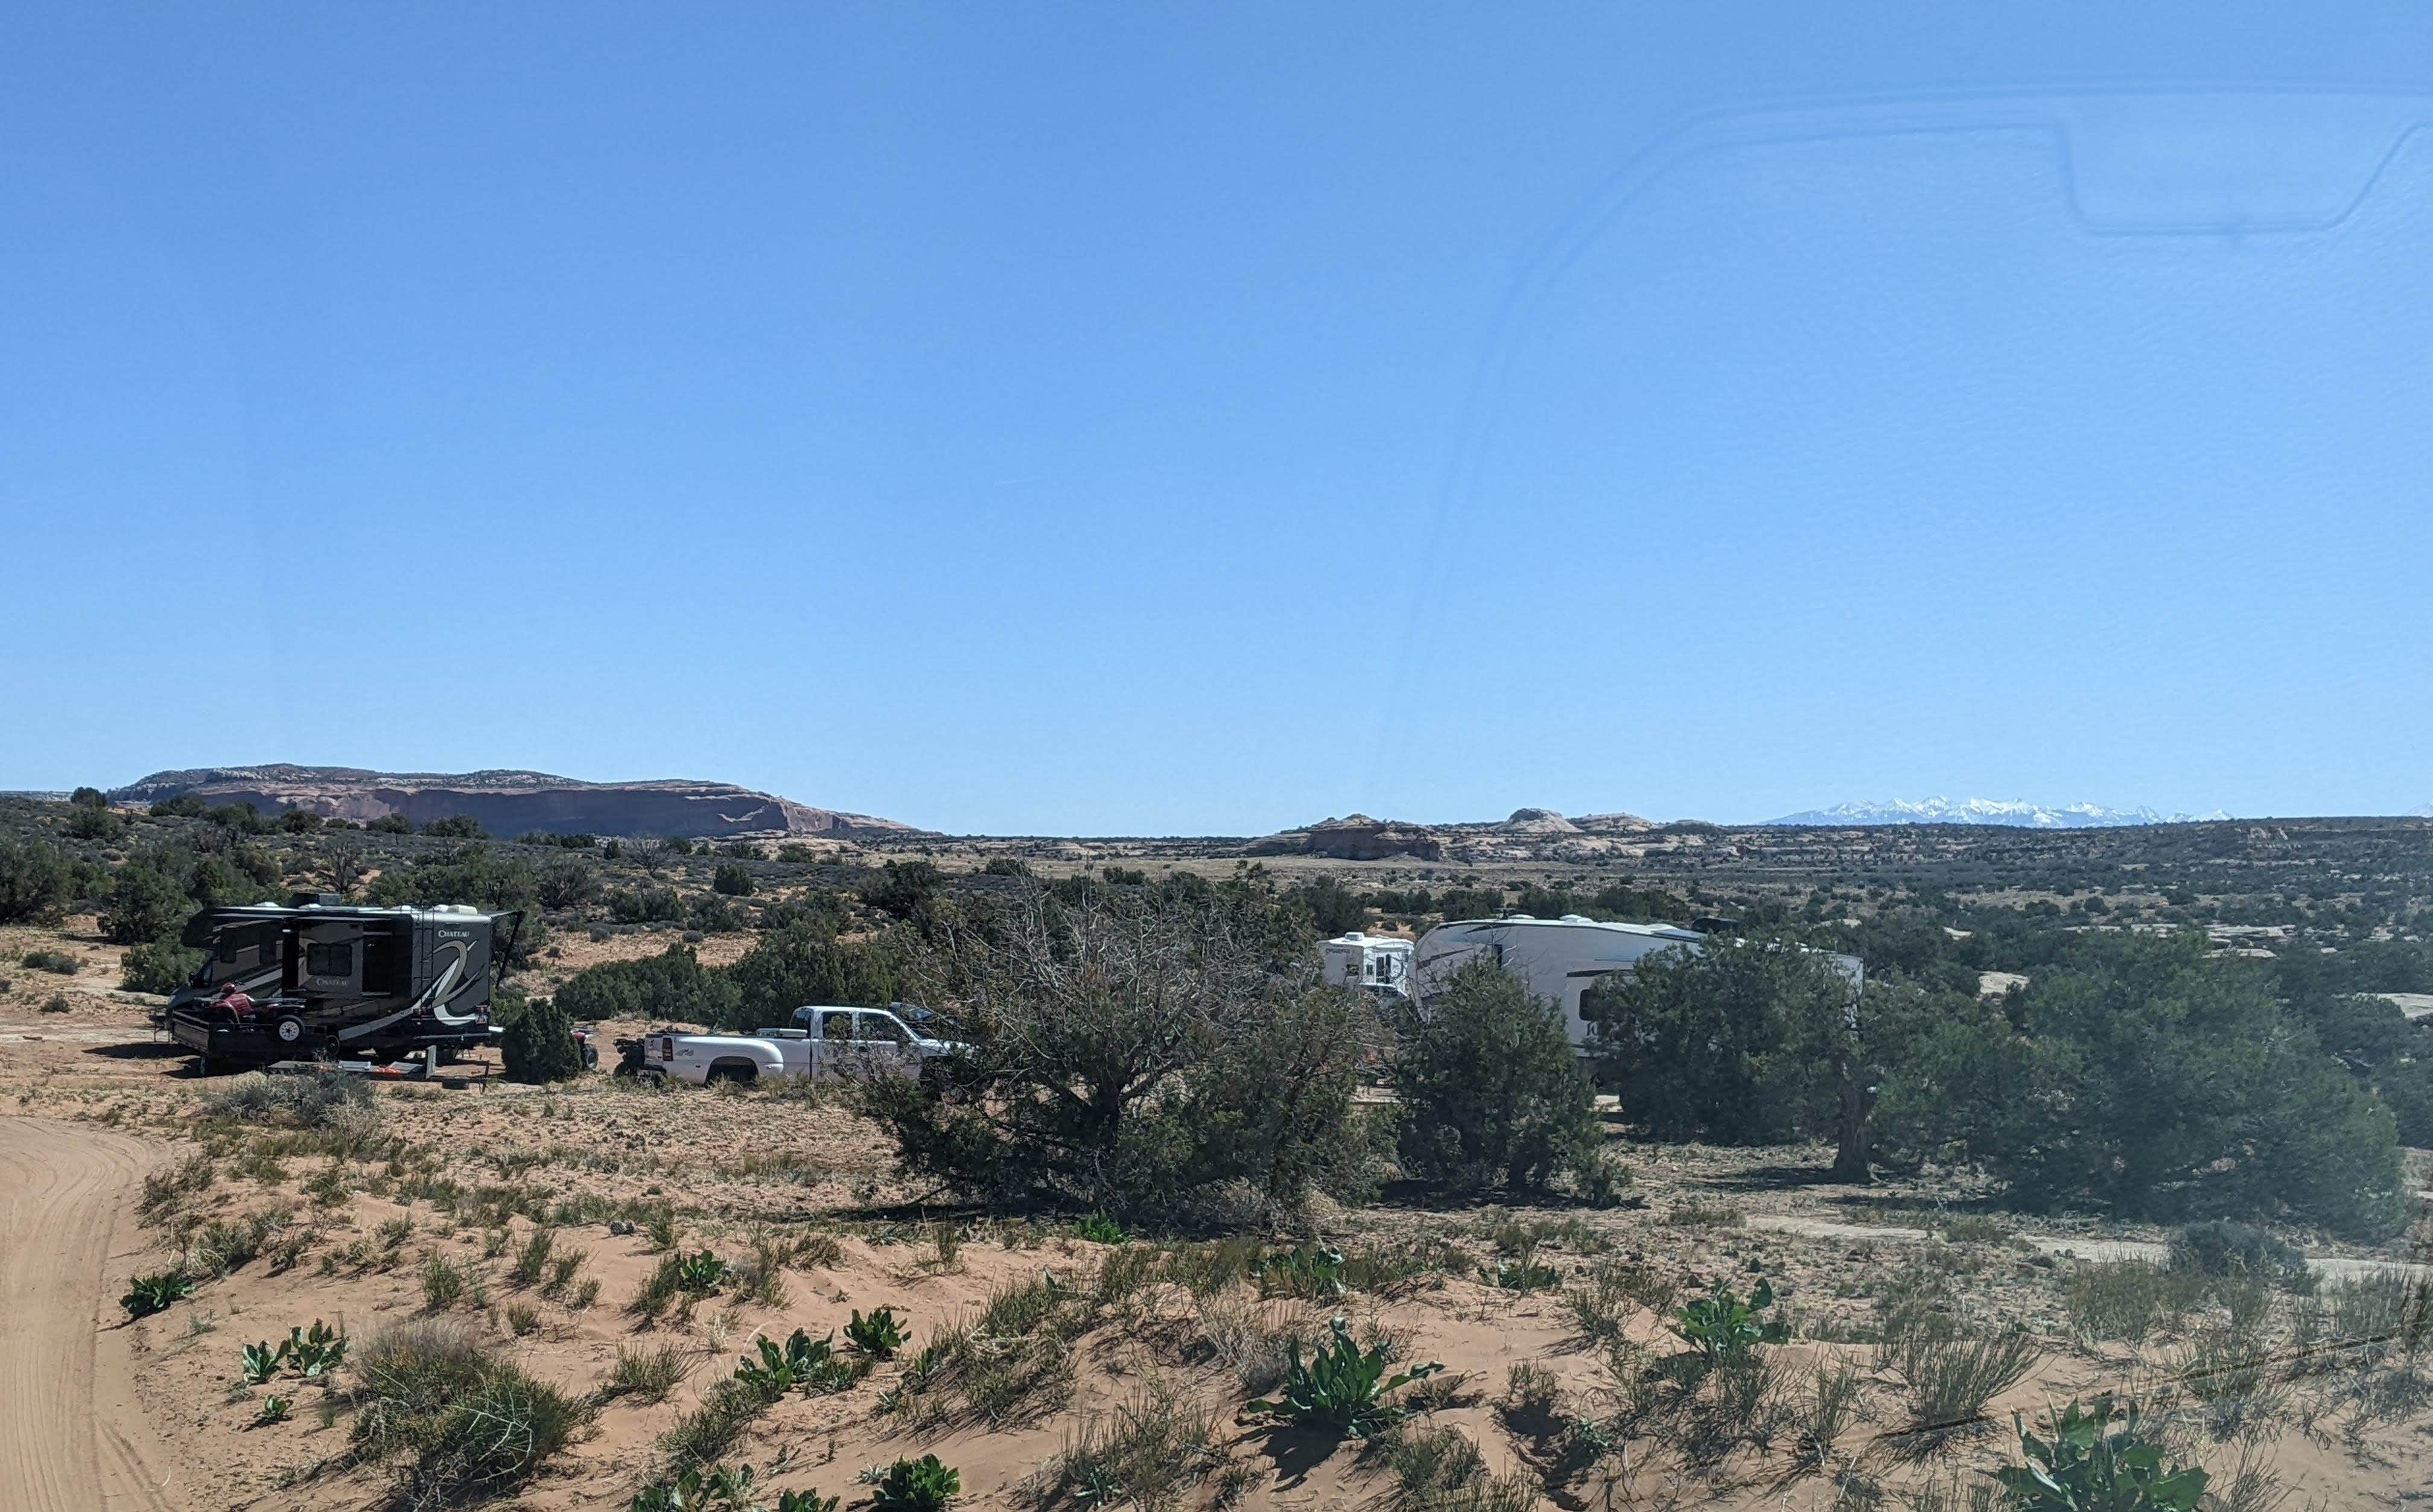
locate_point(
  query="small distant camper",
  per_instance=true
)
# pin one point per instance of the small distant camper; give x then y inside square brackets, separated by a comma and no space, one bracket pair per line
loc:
[1557,959]
[1379,963]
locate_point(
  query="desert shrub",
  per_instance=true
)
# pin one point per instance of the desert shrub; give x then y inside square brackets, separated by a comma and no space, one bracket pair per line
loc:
[2157,1080]
[389,824]
[670,987]
[805,963]
[1731,1045]
[34,880]
[95,822]
[56,962]
[538,1045]
[455,1421]
[732,879]
[1491,1092]
[2221,1247]
[185,806]
[1131,1051]
[1005,866]
[159,966]
[324,1101]
[567,884]
[472,873]
[456,826]
[143,904]
[901,887]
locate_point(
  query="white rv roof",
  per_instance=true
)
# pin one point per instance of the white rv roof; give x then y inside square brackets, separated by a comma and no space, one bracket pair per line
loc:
[1575,920]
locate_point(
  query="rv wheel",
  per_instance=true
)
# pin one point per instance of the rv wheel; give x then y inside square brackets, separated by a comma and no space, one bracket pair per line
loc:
[290,1031]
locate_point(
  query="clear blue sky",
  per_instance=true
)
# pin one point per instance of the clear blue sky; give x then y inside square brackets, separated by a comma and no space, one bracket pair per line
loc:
[1199,420]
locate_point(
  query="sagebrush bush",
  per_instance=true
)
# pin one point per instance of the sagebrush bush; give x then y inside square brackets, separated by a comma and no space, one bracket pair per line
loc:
[326,1100]
[457,1421]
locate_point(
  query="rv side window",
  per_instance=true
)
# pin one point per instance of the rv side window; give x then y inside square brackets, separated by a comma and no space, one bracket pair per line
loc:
[329,960]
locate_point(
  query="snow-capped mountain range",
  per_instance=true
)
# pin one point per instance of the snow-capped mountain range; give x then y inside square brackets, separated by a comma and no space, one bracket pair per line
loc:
[1988,811]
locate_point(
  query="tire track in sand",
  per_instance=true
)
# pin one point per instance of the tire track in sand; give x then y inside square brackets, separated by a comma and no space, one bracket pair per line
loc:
[66,1190]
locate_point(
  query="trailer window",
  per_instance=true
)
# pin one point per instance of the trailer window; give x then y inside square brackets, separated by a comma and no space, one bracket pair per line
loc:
[330,959]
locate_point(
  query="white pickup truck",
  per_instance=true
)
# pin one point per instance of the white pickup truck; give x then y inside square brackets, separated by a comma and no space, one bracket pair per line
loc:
[822,1042]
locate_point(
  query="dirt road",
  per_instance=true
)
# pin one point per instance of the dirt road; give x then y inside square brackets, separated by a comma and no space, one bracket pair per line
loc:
[72,1438]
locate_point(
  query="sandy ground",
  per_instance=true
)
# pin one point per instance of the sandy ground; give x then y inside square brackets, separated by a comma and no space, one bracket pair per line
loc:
[71,1436]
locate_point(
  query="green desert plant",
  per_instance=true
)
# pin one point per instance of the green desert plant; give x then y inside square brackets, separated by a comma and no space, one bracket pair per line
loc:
[1313,1274]
[801,1364]
[2087,1463]
[314,1354]
[1951,1376]
[1724,1324]
[260,1362]
[274,1409]
[700,1273]
[1099,1229]
[148,1295]
[879,1336]
[921,1485]
[1340,1387]
[646,1375]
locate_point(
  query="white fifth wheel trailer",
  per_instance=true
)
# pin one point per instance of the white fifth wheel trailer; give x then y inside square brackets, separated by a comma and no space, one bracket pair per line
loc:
[1557,959]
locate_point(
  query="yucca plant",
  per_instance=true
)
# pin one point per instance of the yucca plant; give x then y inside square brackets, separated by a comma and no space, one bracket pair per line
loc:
[879,1336]
[921,1485]
[1724,1324]
[2088,1465]
[1340,1387]
[274,1409]
[148,1295]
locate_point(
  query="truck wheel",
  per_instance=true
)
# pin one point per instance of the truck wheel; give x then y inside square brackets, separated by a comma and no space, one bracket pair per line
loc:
[651,1079]
[592,1058]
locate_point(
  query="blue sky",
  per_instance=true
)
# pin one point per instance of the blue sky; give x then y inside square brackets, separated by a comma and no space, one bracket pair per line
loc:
[1202,419]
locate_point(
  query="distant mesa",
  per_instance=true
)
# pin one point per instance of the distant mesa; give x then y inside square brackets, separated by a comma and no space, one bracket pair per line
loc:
[1987,812]
[1529,832]
[1354,838]
[512,802]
